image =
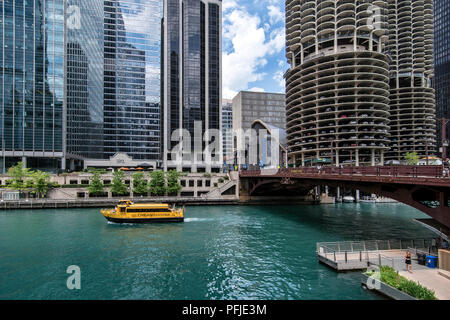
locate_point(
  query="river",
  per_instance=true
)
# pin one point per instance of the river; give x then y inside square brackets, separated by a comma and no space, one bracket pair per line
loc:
[219,252]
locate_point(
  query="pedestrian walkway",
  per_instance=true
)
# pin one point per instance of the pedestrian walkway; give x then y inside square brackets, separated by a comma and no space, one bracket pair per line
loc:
[430,278]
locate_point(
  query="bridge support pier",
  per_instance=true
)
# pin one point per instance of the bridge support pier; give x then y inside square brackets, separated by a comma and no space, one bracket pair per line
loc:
[357,196]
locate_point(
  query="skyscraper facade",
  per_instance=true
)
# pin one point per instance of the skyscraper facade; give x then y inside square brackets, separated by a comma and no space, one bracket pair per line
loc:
[337,88]
[359,87]
[412,99]
[442,63]
[192,68]
[132,78]
[32,81]
[49,48]
[84,81]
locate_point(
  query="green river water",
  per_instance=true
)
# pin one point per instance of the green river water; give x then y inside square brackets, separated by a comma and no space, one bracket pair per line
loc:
[219,252]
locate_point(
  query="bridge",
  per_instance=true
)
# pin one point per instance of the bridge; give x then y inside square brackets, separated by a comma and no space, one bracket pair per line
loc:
[422,187]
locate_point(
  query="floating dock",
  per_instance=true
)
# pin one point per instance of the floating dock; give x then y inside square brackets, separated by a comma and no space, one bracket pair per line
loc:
[359,255]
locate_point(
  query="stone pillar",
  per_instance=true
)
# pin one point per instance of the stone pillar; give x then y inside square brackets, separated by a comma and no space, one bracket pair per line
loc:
[294,159]
[373,157]
[24,161]
[338,193]
[357,157]
[337,157]
[382,158]
[303,159]
[326,190]
[357,196]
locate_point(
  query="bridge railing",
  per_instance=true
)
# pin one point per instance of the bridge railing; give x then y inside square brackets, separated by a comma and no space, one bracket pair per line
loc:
[390,171]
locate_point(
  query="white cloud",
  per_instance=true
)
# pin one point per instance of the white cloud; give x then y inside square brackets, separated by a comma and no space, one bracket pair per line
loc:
[248,48]
[275,14]
[278,77]
[256,89]
[228,4]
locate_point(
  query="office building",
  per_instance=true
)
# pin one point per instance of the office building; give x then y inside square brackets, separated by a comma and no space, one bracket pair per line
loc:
[192,72]
[248,107]
[132,79]
[38,70]
[268,107]
[442,64]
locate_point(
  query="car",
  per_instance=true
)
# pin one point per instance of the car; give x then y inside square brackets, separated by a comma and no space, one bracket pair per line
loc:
[364,115]
[392,162]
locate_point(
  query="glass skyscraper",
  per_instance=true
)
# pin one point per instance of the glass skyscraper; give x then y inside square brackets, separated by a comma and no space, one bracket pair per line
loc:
[84,78]
[50,86]
[132,78]
[32,81]
[192,64]
[442,63]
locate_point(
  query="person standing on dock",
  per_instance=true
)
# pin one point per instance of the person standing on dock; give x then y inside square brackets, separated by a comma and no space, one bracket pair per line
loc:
[408,261]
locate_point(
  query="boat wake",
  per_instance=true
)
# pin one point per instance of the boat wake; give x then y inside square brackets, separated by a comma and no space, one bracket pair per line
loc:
[196,219]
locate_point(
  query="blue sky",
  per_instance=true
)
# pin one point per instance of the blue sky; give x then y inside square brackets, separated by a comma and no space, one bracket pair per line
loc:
[253,46]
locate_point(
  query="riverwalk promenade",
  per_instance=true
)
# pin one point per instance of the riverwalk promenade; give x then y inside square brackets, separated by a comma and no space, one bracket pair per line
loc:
[107,202]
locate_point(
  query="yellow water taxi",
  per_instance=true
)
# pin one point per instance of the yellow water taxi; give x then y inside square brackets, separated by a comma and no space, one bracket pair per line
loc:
[129,212]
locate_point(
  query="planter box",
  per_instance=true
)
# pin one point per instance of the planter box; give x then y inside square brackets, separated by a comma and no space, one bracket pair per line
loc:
[385,289]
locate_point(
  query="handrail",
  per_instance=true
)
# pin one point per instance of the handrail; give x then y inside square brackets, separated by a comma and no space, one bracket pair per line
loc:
[435,171]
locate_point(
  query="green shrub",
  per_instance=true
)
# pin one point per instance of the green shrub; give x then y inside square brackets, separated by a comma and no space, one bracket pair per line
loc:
[391,277]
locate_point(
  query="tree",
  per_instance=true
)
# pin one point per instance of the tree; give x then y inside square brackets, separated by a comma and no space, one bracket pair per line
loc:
[412,158]
[19,175]
[140,185]
[118,186]
[96,187]
[157,184]
[41,183]
[173,183]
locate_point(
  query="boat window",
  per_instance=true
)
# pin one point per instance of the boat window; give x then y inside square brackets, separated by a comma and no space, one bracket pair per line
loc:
[148,210]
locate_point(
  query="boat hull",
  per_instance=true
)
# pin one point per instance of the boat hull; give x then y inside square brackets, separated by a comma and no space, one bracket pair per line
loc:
[144,220]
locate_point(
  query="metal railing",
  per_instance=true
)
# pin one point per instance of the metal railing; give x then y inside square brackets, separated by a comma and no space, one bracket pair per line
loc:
[369,251]
[378,171]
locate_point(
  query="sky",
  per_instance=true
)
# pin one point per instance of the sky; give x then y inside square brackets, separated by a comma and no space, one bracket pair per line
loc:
[253,46]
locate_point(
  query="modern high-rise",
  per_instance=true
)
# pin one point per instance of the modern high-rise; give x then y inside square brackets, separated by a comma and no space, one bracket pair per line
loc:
[412,99]
[192,69]
[51,65]
[132,78]
[442,63]
[84,81]
[359,86]
[337,88]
